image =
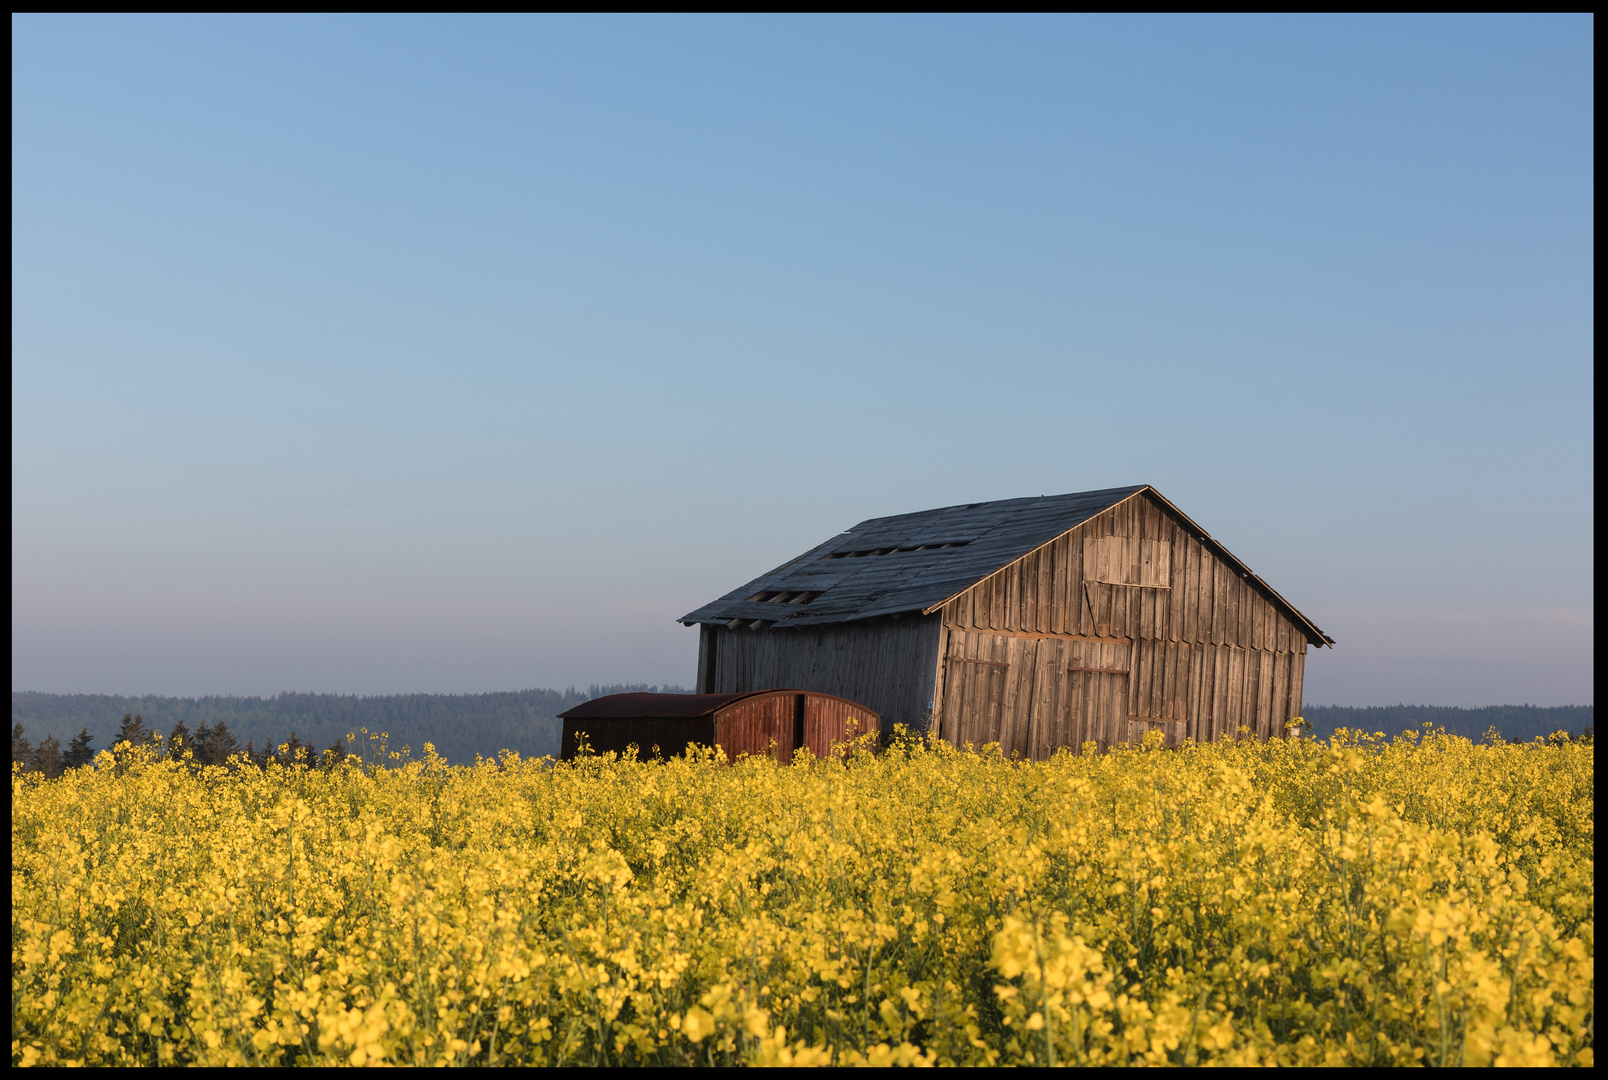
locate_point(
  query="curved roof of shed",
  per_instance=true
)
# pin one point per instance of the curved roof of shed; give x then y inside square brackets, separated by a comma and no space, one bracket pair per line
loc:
[659,706]
[671,706]
[924,560]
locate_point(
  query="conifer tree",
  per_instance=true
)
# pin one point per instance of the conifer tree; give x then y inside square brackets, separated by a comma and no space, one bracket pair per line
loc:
[79,753]
[336,753]
[47,757]
[179,741]
[202,744]
[222,745]
[21,748]
[134,730]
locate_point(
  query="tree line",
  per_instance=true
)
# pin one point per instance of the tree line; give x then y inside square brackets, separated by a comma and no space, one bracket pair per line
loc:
[1515,723]
[460,726]
[209,744]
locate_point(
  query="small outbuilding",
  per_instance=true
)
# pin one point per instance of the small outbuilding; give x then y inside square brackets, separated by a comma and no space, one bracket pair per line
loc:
[772,722]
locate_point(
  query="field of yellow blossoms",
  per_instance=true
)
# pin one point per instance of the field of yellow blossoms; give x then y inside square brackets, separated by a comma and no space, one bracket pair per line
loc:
[1419,900]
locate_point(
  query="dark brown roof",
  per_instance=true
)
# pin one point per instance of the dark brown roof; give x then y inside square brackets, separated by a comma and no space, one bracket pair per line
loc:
[661,706]
[918,562]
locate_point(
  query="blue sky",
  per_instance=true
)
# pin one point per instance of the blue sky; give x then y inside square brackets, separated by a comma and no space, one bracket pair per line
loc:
[420,354]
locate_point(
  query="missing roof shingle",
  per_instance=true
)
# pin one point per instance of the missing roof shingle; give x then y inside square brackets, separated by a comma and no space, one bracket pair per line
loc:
[864,552]
[784,596]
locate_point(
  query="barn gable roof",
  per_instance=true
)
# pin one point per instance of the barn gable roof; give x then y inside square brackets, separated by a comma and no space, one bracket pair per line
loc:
[918,562]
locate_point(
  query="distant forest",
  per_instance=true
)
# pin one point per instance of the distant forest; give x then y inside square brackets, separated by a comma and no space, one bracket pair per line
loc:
[1515,723]
[463,725]
[460,725]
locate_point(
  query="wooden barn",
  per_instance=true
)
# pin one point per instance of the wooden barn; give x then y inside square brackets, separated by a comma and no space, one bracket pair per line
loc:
[774,722]
[1033,623]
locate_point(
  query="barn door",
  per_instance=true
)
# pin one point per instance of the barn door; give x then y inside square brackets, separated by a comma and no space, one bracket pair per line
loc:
[975,676]
[1160,696]
[1097,692]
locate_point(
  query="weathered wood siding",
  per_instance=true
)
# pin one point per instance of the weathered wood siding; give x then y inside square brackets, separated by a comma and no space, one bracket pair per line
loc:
[887,664]
[1126,624]
[1048,592]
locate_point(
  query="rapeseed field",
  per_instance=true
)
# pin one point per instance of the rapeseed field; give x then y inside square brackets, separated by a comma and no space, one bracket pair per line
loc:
[1414,901]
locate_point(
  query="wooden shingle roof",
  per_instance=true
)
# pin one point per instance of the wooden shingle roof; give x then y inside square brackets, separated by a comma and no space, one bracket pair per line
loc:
[918,562]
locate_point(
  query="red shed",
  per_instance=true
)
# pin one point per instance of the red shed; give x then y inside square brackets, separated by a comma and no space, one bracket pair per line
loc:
[775,722]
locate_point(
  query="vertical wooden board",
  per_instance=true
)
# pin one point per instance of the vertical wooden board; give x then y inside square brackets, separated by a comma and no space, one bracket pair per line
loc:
[1136,660]
[1175,583]
[1153,683]
[1046,695]
[1010,677]
[1177,599]
[1099,697]
[1220,634]
[1028,577]
[1247,702]
[1033,715]
[1011,615]
[1205,593]
[1233,634]
[1236,689]
[1017,600]
[1293,690]
[1266,677]
[939,681]
[1138,665]
[1071,695]
[1247,602]
[1044,591]
[1082,615]
[1032,593]
[1167,683]
[1117,691]
[1202,594]
[1251,602]
[1024,669]
[997,681]
[1197,659]
[966,699]
[1222,694]
[1131,598]
[1297,671]
[1063,717]
[1058,587]
[1280,681]
[1081,695]
[955,704]
[1094,690]
[982,680]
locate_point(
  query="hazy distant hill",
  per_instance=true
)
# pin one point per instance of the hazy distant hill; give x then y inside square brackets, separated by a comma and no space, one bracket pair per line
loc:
[1517,723]
[460,725]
